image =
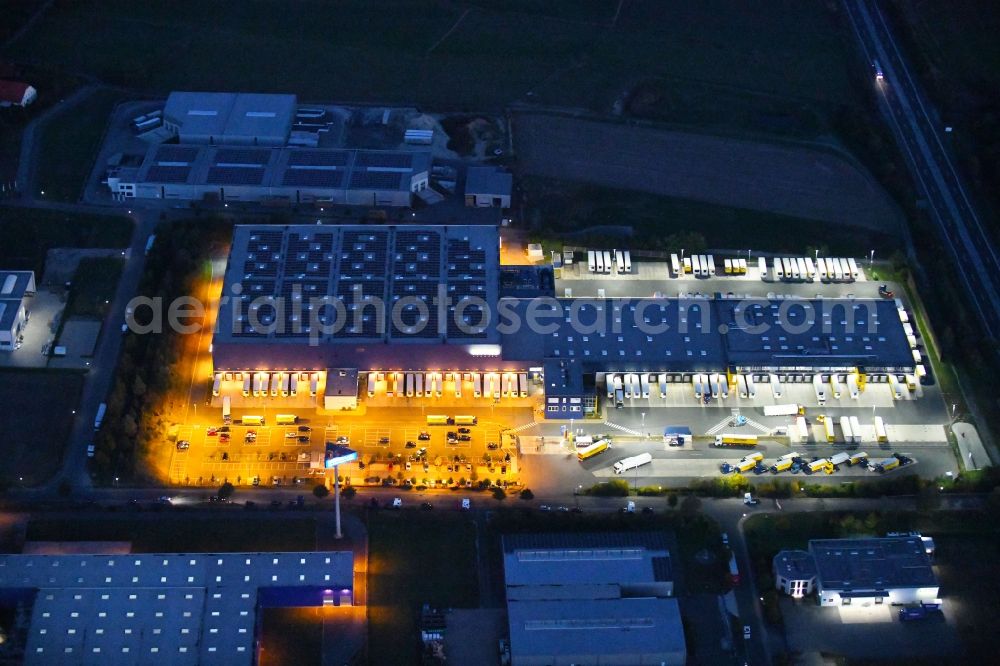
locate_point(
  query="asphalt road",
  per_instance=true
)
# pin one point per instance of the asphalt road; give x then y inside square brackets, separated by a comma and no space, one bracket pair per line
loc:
[918,132]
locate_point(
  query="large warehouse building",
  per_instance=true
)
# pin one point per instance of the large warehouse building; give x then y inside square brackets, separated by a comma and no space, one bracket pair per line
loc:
[235,147]
[412,298]
[169,608]
[591,598]
[294,175]
[842,572]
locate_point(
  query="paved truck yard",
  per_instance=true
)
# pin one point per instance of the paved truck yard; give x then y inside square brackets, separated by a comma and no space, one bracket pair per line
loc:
[458,407]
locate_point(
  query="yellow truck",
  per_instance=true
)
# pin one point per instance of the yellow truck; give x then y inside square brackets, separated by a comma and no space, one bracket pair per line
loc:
[748,462]
[782,465]
[821,465]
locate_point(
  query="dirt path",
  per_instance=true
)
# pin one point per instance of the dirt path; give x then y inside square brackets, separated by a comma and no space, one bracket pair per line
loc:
[780,178]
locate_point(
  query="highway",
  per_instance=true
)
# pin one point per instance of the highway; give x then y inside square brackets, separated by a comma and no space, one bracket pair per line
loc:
[917,131]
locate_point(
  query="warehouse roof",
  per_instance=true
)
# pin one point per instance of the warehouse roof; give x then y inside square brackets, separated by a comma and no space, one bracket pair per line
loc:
[281,168]
[675,334]
[226,117]
[635,629]
[363,283]
[874,563]
[488,180]
[14,286]
[171,607]
[257,115]
[585,559]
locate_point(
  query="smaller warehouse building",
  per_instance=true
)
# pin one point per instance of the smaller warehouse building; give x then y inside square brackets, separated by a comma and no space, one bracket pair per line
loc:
[234,119]
[488,187]
[591,598]
[894,570]
[15,288]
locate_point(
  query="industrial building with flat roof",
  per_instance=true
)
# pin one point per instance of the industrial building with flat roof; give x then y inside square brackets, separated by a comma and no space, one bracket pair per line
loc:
[224,118]
[15,288]
[591,598]
[296,175]
[427,298]
[308,297]
[895,570]
[173,608]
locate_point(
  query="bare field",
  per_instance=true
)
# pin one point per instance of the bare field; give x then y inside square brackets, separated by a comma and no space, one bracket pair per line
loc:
[780,178]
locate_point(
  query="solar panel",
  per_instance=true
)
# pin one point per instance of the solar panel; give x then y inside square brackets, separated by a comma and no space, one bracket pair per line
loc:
[318,158]
[375,179]
[235,175]
[383,159]
[312,178]
[259,156]
[167,174]
[169,153]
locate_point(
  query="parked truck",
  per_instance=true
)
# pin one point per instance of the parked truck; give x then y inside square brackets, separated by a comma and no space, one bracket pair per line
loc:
[884,465]
[821,465]
[858,457]
[855,430]
[789,409]
[880,433]
[631,463]
[845,426]
[819,386]
[733,440]
[749,461]
[782,465]
[840,458]
[99,418]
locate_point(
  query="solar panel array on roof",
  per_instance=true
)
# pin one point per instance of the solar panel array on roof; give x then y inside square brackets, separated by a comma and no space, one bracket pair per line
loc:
[378,180]
[380,159]
[242,156]
[260,279]
[313,178]
[466,266]
[168,174]
[307,271]
[318,158]
[235,175]
[169,153]
[363,268]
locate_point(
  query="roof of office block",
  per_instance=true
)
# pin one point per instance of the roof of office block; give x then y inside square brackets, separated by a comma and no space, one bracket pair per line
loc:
[872,563]
[164,607]
[429,280]
[13,287]
[281,167]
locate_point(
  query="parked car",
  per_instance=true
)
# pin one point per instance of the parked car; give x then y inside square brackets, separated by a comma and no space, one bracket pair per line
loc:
[90,450]
[305,428]
[725,539]
[465,431]
[411,445]
[183,445]
[466,504]
[424,436]
[211,431]
[746,632]
[383,440]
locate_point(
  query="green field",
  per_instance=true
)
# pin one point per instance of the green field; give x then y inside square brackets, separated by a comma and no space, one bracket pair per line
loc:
[36,409]
[666,223]
[708,63]
[415,559]
[175,531]
[26,234]
[94,285]
[69,143]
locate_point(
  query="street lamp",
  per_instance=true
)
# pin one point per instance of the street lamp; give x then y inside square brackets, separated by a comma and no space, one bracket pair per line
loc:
[643,425]
[337,455]
[871,258]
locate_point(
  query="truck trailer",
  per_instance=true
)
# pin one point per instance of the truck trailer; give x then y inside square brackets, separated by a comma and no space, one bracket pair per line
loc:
[789,409]
[631,463]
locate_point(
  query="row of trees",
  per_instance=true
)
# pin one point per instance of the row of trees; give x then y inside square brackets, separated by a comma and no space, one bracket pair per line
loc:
[136,415]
